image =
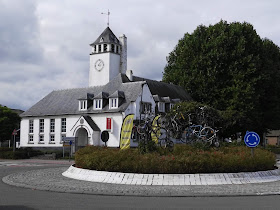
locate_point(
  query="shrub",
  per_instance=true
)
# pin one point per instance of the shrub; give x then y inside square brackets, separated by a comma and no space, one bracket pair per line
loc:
[23,153]
[184,159]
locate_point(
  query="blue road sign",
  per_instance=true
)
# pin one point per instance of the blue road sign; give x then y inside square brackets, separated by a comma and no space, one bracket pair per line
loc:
[70,142]
[251,139]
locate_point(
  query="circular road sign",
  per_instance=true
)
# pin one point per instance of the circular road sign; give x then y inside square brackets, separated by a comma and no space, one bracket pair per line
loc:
[251,139]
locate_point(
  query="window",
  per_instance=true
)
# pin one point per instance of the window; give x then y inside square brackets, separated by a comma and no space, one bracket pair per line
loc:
[62,137]
[30,139]
[41,139]
[105,47]
[52,125]
[101,39]
[99,48]
[117,49]
[97,104]
[113,103]
[83,105]
[112,47]
[63,124]
[52,140]
[146,107]
[94,48]
[160,106]
[171,106]
[41,127]
[31,126]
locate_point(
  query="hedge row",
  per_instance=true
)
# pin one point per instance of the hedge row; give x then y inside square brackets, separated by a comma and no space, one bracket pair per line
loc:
[7,153]
[184,159]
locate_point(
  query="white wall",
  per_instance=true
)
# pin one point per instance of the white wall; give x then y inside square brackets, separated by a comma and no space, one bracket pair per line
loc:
[111,68]
[72,125]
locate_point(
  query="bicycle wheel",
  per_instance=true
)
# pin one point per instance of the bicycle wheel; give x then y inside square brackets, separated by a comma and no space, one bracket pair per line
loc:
[207,135]
[141,129]
[170,145]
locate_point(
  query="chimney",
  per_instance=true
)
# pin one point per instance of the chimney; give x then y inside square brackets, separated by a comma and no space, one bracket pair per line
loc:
[123,63]
[129,74]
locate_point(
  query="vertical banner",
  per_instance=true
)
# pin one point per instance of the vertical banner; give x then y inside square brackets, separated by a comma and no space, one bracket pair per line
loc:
[154,126]
[126,131]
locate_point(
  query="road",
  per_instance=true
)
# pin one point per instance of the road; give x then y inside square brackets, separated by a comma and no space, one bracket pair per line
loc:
[22,198]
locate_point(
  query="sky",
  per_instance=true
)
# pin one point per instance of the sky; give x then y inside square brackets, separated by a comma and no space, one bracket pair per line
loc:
[44,44]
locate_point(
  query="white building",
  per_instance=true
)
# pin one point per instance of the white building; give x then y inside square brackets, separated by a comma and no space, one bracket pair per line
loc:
[112,94]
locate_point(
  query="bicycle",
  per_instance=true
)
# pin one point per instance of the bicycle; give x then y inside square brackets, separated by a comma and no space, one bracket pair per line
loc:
[153,130]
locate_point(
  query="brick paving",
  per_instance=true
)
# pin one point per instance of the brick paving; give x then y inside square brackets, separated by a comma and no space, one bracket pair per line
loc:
[53,180]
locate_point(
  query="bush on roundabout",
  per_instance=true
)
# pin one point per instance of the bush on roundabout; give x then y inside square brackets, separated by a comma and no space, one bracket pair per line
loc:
[185,159]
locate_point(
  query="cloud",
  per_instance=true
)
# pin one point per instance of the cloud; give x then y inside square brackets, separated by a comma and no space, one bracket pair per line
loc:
[44,45]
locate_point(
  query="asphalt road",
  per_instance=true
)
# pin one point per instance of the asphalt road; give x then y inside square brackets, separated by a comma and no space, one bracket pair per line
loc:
[22,198]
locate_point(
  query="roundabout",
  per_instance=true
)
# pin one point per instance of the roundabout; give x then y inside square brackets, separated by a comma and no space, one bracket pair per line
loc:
[53,180]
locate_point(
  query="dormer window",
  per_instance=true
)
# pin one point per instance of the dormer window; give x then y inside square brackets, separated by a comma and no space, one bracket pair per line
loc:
[83,105]
[97,104]
[113,103]
[161,107]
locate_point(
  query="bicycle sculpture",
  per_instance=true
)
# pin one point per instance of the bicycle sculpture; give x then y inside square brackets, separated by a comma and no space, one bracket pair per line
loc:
[164,129]
[178,128]
[151,130]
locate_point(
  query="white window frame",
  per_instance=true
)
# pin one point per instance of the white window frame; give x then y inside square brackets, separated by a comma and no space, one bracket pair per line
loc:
[30,139]
[161,107]
[41,139]
[97,104]
[52,139]
[171,106]
[31,126]
[52,125]
[61,138]
[113,103]
[41,125]
[83,105]
[63,125]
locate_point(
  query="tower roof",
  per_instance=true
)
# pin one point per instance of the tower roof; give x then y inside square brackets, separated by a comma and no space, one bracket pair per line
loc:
[107,36]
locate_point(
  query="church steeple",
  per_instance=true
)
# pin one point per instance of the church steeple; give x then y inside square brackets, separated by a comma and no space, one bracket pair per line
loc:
[108,58]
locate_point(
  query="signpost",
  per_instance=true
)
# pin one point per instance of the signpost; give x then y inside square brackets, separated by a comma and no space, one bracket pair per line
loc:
[252,139]
[68,142]
[14,135]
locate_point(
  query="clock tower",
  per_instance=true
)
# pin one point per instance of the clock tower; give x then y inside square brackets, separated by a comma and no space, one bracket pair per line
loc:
[108,58]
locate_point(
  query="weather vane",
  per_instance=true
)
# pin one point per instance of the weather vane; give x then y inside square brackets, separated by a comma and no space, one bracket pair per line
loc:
[108,13]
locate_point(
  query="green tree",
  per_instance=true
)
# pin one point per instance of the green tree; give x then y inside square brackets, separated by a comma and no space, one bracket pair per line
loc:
[9,121]
[230,68]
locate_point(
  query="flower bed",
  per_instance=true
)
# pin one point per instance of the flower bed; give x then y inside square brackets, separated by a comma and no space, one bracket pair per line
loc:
[184,159]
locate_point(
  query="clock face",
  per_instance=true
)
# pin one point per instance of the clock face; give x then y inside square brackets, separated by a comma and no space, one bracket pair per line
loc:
[99,64]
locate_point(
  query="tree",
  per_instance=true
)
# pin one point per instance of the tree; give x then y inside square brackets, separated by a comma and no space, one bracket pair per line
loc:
[9,121]
[230,68]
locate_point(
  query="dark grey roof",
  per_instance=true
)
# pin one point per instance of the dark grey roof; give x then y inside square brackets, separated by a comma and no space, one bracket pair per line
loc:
[117,94]
[108,37]
[91,123]
[101,95]
[65,102]
[163,89]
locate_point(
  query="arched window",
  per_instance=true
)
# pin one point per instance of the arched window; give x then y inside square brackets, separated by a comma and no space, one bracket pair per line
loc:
[105,48]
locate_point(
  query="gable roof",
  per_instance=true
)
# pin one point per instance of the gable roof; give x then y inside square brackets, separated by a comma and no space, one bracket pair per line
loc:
[107,36]
[65,102]
[163,89]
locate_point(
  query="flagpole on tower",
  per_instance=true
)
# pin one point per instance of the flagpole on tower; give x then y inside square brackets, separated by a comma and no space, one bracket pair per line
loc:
[108,13]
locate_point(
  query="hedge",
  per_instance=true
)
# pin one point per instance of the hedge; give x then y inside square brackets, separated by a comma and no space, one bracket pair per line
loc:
[184,159]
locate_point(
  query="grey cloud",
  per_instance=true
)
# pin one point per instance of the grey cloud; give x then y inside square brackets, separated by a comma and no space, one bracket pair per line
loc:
[19,32]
